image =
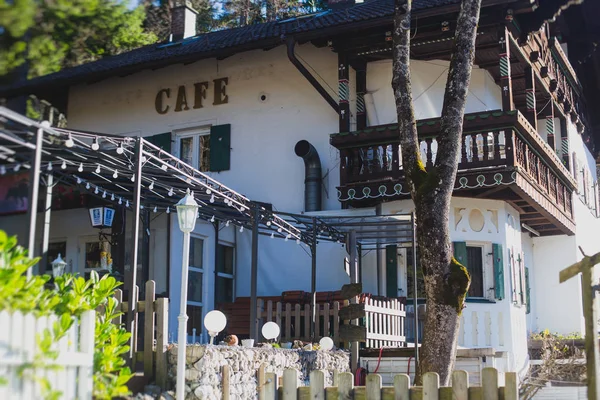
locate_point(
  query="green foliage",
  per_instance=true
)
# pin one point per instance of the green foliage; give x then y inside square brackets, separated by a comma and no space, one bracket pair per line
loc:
[546,334]
[71,297]
[50,35]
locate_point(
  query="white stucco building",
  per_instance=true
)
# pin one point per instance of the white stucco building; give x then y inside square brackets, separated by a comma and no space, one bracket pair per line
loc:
[515,227]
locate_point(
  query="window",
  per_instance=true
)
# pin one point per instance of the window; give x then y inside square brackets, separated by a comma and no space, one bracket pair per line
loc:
[195,298]
[225,287]
[194,148]
[475,268]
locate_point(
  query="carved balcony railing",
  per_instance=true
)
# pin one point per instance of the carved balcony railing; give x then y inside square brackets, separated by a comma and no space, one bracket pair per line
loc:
[502,157]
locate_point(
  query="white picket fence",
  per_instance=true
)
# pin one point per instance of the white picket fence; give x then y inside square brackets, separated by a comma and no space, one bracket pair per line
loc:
[18,347]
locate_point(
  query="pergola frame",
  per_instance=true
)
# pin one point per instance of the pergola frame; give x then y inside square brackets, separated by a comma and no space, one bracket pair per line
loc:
[131,173]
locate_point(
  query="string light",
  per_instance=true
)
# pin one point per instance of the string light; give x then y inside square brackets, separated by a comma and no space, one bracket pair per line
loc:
[241,229]
[69,142]
[208,191]
[151,187]
[87,185]
[279,230]
[155,209]
[96,190]
[287,238]
[164,167]
[120,200]
[2,170]
[112,197]
[17,167]
[95,145]
[212,219]
[272,235]
[80,169]
[126,203]
[141,206]
[268,223]
[297,241]
[78,180]
[227,223]
[168,210]
[170,192]
[104,195]
[98,169]
[132,178]
[49,166]
[120,149]
[212,198]
[63,165]
[115,174]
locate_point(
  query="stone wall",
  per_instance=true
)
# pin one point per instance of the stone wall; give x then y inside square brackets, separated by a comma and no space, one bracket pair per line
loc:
[203,367]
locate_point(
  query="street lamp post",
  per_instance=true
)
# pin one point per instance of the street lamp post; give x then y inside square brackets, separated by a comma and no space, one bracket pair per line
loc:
[187,209]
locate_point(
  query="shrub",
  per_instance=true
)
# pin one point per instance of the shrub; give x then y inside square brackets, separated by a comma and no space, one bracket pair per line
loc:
[70,297]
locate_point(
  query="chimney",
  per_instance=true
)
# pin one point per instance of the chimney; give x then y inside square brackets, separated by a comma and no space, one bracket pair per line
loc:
[183,20]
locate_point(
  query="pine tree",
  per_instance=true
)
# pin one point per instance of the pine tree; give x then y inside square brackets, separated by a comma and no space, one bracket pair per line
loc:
[45,36]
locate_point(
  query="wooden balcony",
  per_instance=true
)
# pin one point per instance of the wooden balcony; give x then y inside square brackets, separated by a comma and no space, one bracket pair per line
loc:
[502,157]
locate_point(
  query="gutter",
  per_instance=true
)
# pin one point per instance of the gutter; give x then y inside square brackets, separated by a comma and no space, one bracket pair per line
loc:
[291,45]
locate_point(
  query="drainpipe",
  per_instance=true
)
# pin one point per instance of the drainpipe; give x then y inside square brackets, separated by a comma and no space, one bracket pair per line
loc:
[312,175]
[291,44]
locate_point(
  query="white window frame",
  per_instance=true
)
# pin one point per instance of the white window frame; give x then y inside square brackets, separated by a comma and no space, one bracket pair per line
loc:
[194,133]
[202,270]
[487,269]
[223,274]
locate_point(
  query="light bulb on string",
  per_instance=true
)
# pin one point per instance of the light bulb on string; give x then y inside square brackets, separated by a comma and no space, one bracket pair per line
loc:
[168,210]
[120,200]
[241,229]
[227,223]
[69,142]
[80,169]
[286,238]
[63,165]
[297,241]
[170,192]
[279,230]
[212,198]
[17,167]
[95,145]
[126,203]
[272,235]
[120,149]
[132,178]
[104,195]
[87,185]
[207,191]
[49,166]
[98,169]
[141,206]
[155,209]
[78,180]
[164,167]
[2,170]
[269,223]
[112,197]
[151,187]
[96,190]
[115,174]
[212,219]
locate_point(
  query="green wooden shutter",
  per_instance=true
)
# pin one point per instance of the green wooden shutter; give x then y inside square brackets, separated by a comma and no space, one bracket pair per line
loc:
[162,140]
[391,271]
[460,252]
[498,271]
[527,290]
[220,147]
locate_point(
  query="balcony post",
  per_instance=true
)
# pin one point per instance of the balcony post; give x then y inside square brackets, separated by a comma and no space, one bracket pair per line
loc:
[505,74]
[531,113]
[564,143]
[510,147]
[361,89]
[344,92]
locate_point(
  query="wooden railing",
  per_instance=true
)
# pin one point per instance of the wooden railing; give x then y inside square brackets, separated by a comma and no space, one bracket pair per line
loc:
[383,321]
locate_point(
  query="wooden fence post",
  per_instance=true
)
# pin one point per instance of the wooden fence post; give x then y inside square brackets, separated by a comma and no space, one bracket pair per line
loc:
[162,341]
[489,381]
[317,385]
[402,387]
[511,386]
[290,384]
[431,386]
[460,385]
[270,386]
[226,374]
[373,387]
[149,330]
[345,386]
[86,337]
[261,380]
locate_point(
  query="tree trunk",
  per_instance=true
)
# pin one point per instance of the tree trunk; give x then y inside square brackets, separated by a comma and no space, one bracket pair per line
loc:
[446,281]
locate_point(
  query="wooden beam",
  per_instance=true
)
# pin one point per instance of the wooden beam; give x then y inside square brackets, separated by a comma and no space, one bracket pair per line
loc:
[505,70]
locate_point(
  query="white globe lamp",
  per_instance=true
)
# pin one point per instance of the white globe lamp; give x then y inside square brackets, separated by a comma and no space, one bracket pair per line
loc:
[270,330]
[326,343]
[214,322]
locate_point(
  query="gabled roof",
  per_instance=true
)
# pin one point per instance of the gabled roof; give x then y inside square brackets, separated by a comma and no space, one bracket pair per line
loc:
[222,43]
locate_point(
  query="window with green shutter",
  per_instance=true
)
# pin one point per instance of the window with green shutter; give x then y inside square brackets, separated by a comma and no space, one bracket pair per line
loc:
[162,141]
[220,147]
[527,290]
[498,271]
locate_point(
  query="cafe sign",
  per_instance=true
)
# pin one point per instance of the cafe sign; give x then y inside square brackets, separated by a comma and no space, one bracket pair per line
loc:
[178,100]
